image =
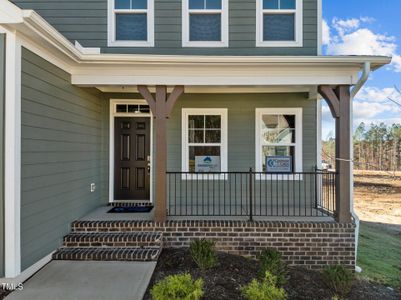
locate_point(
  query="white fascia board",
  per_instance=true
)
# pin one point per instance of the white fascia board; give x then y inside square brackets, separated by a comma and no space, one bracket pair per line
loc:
[86,50]
[10,13]
[94,80]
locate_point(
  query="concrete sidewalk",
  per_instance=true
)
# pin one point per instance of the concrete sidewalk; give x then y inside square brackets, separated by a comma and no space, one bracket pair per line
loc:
[87,280]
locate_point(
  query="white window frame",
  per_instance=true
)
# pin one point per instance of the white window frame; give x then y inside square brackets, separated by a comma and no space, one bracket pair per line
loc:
[259,112]
[111,26]
[298,42]
[185,25]
[186,112]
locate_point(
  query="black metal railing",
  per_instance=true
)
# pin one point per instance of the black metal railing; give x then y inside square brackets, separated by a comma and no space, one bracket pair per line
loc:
[298,194]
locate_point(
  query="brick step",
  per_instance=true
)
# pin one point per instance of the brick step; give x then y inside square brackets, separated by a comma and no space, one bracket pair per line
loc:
[107,254]
[112,226]
[113,239]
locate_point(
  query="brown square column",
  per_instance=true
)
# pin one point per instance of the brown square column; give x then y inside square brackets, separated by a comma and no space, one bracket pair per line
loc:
[339,101]
[161,107]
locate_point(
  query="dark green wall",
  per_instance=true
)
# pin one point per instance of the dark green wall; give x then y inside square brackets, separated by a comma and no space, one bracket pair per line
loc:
[2,100]
[86,22]
[241,125]
[62,138]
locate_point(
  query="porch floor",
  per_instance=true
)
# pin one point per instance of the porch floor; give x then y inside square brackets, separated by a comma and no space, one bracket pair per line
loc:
[100,214]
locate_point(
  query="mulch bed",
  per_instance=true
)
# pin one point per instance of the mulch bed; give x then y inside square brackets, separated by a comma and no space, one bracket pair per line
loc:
[224,280]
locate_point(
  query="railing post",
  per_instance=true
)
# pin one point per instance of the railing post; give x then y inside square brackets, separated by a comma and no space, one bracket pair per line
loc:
[316,186]
[250,195]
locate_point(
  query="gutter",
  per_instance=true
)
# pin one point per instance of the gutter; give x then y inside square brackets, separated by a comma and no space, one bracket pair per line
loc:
[362,80]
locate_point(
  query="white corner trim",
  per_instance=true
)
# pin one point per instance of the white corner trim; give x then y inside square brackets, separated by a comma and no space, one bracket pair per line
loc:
[112,115]
[223,112]
[12,160]
[297,111]
[207,44]
[26,274]
[86,50]
[319,27]
[298,27]
[111,27]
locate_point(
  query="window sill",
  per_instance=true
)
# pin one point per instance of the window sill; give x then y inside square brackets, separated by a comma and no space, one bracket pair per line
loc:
[131,44]
[278,44]
[205,44]
[281,177]
[203,176]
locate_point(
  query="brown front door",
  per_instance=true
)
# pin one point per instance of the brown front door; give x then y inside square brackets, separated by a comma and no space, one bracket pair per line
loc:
[131,158]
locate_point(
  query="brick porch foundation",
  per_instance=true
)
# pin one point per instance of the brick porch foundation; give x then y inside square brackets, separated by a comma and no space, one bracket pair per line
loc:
[309,244]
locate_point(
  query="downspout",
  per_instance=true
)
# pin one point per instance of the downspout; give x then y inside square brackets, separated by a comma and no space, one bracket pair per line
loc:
[362,80]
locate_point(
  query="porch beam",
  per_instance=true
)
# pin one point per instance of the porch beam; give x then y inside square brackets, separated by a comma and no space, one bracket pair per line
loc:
[339,100]
[161,105]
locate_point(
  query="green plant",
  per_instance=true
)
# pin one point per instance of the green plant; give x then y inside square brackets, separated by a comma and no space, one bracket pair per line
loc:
[203,253]
[339,279]
[271,261]
[178,287]
[264,290]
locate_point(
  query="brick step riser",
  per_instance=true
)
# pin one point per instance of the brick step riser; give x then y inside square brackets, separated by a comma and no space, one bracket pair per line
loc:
[104,254]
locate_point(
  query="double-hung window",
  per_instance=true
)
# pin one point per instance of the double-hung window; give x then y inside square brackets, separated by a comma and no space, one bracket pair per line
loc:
[278,140]
[205,23]
[279,23]
[130,23]
[204,140]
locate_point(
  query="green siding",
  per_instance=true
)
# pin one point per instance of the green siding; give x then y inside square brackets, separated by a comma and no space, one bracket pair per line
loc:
[62,134]
[86,22]
[241,125]
[2,100]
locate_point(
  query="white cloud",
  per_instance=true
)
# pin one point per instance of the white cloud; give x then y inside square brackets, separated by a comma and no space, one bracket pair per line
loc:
[374,94]
[352,37]
[325,33]
[397,63]
[369,110]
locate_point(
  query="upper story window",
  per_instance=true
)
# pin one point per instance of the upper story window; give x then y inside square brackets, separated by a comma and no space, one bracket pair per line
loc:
[279,23]
[205,23]
[130,23]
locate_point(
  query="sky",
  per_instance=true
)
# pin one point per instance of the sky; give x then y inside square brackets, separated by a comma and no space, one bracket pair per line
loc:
[366,27]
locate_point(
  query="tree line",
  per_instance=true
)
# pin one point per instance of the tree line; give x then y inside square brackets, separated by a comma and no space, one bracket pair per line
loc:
[376,147]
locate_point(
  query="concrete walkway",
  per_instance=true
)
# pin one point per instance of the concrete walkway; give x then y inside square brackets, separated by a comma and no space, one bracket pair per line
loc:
[87,280]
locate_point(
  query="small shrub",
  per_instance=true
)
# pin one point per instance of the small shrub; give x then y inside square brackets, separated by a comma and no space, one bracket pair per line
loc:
[202,252]
[271,261]
[264,290]
[178,287]
[338,279]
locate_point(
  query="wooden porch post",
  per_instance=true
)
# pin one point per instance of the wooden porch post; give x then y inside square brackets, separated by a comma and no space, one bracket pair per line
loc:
[161,106]
[339,100]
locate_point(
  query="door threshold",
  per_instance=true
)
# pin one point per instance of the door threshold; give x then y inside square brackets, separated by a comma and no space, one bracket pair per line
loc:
[131,203]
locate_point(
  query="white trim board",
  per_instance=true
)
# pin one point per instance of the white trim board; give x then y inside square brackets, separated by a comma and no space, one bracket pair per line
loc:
[111,25]
[186,112]
[12,157]
[112,115]
[224,11]
[27,273]
[298,42]
[297,111]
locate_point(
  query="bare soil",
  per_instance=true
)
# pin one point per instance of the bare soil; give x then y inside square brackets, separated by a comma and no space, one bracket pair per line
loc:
[377,198]
[224,280]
